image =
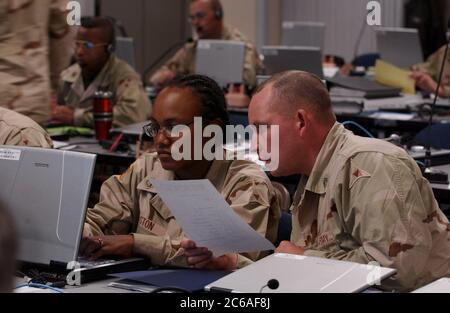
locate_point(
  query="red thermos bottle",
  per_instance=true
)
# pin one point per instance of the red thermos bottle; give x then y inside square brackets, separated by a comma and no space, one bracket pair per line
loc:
[103,114]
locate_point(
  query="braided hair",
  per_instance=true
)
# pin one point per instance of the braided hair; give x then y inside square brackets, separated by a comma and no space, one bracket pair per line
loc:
[214,105]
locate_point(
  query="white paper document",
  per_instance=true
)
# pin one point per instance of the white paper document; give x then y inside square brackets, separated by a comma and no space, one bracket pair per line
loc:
[207,218]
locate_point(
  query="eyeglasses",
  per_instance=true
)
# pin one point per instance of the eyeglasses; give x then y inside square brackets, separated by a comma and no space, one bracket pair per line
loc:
[152,129]
[197,16]
[88,45]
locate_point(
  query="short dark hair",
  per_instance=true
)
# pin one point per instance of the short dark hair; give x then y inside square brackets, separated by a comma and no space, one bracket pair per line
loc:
[214,104]
[8,250]
[105,23]
[295,87]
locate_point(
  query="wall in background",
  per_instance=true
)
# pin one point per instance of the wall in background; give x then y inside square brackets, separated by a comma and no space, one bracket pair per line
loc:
[259,20]
[243,15]
[344,19]
[87,7]
[155,25]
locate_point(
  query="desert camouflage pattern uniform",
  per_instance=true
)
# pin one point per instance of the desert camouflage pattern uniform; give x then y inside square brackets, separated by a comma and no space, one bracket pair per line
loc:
[19,130]
[130,102]
[432,67]
[30,32]
[130,204]
[183,62]
[366,200]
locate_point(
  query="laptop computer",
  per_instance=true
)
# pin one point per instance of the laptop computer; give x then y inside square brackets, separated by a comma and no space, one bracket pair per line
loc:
[309,34]
[125,50]
[297,274]
[439,286]
[399,46]
[47,193]
[282,58]
[222,60]
[364,87]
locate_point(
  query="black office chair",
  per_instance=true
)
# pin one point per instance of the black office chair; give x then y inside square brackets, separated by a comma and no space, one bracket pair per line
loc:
[440,136]
[366,60]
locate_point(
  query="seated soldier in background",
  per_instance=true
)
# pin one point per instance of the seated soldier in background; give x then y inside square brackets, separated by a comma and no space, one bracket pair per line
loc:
[8,250]
[18,130]
[132,219]
[426,74]
[206,17]
[98,68]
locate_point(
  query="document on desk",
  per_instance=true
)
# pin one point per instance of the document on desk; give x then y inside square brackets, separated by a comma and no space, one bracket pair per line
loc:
[207,218]
[390,75]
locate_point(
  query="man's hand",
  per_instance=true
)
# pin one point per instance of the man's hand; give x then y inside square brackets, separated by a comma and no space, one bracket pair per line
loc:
[202,258]
[289,248]
[63,114]
[96,247]
[426,82]
[162,77]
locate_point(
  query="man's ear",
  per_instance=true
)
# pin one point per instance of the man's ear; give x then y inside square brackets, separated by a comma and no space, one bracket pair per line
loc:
[301,119]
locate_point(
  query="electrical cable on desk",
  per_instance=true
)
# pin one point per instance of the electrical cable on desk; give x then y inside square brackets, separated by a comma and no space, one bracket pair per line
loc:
[40,286]
[359,127]
[420,163]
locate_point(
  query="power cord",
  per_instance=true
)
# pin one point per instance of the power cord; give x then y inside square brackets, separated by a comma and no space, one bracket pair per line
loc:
[359,127]
[40,286]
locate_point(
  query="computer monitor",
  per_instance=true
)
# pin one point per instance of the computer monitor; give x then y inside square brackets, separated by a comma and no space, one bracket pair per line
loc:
[281,58]
[222,60]
[399,46]
[307,34]
[125,50]
[47,193]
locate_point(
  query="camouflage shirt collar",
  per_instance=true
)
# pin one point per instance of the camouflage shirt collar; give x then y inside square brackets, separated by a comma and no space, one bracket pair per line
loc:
[216,175]
[318,179]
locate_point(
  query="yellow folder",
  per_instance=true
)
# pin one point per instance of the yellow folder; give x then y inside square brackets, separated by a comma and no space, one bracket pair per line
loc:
[390,75]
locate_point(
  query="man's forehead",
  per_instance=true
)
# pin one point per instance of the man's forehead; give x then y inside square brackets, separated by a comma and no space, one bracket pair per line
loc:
[262,99]
[91,34]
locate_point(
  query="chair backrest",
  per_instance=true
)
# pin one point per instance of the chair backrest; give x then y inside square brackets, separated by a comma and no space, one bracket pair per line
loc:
[366,60]
[440,136]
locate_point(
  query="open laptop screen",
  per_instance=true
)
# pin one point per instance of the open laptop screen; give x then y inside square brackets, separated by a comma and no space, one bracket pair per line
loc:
[281,58]
[47,193]
[221,60]
[399,46]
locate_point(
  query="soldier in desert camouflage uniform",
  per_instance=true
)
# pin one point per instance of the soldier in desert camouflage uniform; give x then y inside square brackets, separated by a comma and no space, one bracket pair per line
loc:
[426,74]
[360,199]
[207,19]
[98,68]
[19,130]
[27,29]
[129,204]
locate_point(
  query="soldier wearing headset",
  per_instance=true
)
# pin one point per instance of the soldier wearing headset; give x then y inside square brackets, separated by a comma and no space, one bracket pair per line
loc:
[207,20]
[97,68]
